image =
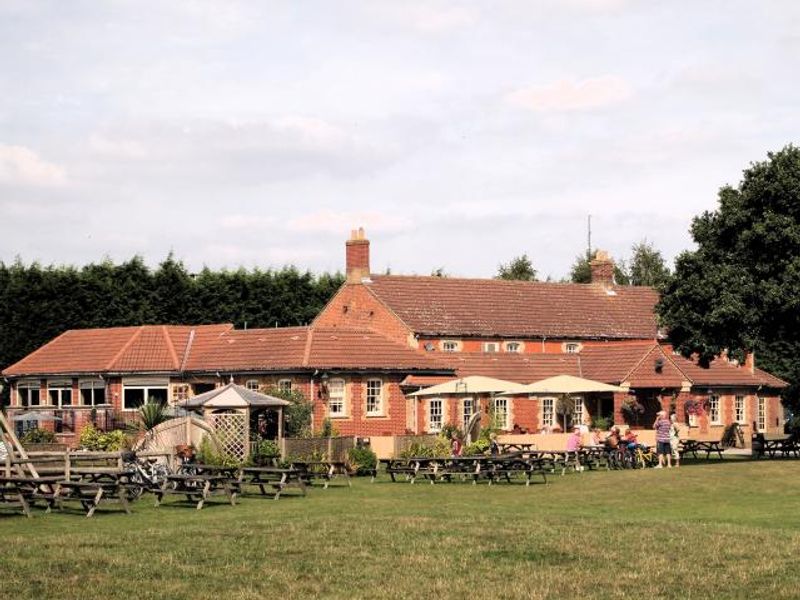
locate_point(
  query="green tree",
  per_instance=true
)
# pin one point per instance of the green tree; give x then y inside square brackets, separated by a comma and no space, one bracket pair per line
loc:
[519,269]
[646,266]
[740,290]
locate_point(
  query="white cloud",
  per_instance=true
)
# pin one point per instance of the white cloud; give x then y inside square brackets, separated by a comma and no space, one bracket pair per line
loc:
[116,148]
[428,17]
[246,222]
[21,165]
[335,222]
[565,95]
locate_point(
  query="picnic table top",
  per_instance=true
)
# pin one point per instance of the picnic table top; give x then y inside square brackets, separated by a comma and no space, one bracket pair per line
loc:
[38,480]
[198,476]
[268,470]
[212,468]
[319,462]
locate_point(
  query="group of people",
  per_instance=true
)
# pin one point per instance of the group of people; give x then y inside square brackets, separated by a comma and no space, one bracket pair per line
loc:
[667,440]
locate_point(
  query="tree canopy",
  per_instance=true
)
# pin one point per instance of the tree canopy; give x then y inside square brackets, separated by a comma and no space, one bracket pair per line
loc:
[581,271]
[519,269]
[740,290]
[38,303]
[646,266]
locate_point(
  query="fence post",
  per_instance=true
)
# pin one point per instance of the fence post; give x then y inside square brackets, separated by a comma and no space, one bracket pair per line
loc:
[330,449]
[67,464]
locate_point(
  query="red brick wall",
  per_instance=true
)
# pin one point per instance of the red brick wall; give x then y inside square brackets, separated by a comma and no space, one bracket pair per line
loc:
[392,422]
[356,308]
[526,412]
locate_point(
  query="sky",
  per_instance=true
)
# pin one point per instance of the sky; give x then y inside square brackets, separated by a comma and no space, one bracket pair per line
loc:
[458,134]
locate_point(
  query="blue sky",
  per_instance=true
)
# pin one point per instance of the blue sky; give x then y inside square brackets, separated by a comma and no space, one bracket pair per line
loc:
[459,134]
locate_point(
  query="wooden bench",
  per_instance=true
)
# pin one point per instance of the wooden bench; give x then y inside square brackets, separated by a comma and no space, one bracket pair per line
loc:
[327,470]
[12,495]
[273,477]
[197,488]
[91,494]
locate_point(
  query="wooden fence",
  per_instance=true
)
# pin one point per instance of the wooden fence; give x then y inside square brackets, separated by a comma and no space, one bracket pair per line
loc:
[332,448]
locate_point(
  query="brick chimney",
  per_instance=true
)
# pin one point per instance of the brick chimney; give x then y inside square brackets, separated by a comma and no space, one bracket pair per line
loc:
[357,256]
[750,362]
[602,269]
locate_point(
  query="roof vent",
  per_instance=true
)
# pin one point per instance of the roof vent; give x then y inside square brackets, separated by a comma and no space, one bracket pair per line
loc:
[659,365]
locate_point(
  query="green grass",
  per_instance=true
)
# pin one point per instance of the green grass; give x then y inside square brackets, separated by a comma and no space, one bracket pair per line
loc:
[715,530]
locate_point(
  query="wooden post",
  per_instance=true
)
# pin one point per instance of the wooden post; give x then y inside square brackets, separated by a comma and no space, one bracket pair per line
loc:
[67,465]
[6,431]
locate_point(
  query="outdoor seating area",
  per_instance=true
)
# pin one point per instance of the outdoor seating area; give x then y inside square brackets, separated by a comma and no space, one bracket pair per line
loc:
[782,447]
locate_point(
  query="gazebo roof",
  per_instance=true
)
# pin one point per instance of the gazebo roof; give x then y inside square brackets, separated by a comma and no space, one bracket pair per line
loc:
[233,396]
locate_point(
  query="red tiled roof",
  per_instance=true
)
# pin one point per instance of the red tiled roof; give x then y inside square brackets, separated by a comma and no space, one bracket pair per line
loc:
[219,348]
[147,348]
[493,307]
[636,364]
[520,368]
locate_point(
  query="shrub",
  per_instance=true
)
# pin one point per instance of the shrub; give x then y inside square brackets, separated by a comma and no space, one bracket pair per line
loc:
[362,460]
[264,452]
[601,423]
[328,430]
[93,439]
[296,416]
[448,429]
[152,414]
[38,436]
[479,447]
[209,455]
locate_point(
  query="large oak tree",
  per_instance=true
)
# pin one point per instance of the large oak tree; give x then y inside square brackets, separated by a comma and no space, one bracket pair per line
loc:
[740,290]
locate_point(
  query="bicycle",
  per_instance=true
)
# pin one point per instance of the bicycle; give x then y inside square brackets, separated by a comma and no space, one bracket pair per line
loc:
[147,475]
[645,457]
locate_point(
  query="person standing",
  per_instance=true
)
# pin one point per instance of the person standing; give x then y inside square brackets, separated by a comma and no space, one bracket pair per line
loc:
[455,445]
[674,439]
[662,426]
[574,444]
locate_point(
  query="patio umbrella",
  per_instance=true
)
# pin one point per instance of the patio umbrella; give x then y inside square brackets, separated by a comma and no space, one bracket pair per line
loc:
[565,386]
[472,384]
[35,416]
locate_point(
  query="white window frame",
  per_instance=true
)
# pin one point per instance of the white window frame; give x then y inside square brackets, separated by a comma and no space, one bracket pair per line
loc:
[579,412]
[491,347]
[61,388]
[252,384]
[373,402]
[714,409]
[466,414]
[92,385]
[285,386]
[761,414]
[450,345]
[572,347]
[337,398]
[514,347]
[547,407]
[740,409]
[435,420]
[505,412]
[146,386]
[28,387]
[181,392]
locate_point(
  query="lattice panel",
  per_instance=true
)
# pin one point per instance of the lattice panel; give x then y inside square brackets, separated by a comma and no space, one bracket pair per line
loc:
[231,430]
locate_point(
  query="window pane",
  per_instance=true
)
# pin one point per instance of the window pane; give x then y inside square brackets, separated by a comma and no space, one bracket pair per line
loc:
[157,395]
[66,397]
[99,395]
[34,397]
[134,398]
[86,396]
[53,394]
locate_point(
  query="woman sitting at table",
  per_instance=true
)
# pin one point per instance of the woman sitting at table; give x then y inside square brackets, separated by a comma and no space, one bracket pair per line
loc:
[596,438]
[574,443]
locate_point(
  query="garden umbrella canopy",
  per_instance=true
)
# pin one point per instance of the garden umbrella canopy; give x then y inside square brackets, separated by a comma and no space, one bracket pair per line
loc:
[473,384]
[566,384]
[35,416]
[233,396]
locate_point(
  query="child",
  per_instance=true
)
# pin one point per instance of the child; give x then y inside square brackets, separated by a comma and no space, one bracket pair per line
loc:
[455,446]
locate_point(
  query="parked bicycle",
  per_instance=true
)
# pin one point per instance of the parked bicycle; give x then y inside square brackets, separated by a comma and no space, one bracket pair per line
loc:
[147,475]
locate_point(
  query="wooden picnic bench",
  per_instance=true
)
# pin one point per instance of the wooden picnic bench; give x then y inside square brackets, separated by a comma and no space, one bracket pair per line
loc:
[327,470]
[35,489]
[91,494]
[397,466]
[197,488]
[695,446]
[276,478]
[772,447]
[11,494]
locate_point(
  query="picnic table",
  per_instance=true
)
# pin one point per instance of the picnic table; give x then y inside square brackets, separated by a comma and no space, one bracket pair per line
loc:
[707,446]
[771,447]
[493,468]
[276,478]
[11,494]
[507,448]
[32,489]
[328,470]
[198,487]
[397,466]
[95,487]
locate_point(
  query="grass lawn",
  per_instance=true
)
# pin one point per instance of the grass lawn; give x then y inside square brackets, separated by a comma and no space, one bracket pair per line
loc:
[709,530]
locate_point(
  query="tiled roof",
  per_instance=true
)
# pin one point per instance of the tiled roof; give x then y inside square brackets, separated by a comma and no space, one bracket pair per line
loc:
[520,368]
[492,307]
[636,362]
[205,348]
[147,348]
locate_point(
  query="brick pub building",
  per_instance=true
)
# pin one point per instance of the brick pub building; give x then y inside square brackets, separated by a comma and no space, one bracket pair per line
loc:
[383,336]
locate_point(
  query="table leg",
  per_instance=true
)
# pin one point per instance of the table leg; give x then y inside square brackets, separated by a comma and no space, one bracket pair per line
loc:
[94,502]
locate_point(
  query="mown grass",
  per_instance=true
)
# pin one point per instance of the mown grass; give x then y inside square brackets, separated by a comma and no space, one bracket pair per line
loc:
[715,530]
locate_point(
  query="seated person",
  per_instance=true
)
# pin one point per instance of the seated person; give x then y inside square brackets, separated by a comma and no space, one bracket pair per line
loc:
[613,439]
[630,439]
[596,438]
[574,443]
